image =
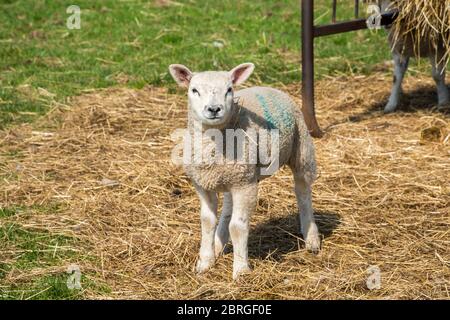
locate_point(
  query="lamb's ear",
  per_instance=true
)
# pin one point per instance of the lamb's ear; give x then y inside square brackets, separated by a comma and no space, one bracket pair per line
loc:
[241,73]
[181,74]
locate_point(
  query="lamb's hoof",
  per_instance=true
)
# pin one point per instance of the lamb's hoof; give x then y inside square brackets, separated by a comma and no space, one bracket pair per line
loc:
[312,243]
[218,251]
[239,270]
[218,248]
[204,265]
[389,108]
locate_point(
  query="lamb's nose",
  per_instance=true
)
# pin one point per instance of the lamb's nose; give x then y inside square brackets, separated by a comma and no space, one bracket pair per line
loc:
[215,109]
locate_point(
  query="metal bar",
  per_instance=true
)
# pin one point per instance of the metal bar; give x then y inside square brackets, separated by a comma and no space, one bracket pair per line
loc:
[340,27]
[356,9]
[308,68]
[345,26]
[333,17]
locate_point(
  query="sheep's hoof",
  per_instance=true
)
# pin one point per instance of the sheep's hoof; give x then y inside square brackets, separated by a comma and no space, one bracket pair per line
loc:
[312,244]
[218,248]
[239,270]
[204,265]
[390,108]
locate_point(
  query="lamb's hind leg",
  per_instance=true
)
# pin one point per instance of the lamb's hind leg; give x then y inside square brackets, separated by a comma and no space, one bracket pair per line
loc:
[438,71]
[309,228]
[400,67]
[222,231]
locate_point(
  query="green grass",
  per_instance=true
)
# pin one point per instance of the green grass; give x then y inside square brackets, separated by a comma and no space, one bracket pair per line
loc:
[25,249]
[133,42]
[8,212]
[44,288]
[36,248]
[28,250]
[49,287]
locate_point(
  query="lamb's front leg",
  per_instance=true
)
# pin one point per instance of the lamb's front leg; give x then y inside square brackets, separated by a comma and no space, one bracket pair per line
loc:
[208,210]
[244,203]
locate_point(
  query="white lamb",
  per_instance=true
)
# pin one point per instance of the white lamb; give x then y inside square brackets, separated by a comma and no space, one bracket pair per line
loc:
[213,104]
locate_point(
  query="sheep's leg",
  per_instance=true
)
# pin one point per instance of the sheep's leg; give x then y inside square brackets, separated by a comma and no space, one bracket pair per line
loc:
[244,203]
[438,71]
[222,232]
[400,67]
[208,211]
[309,228]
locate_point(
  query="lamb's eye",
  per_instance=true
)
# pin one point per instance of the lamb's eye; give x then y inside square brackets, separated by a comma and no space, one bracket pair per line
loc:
[229,90]
[195,91]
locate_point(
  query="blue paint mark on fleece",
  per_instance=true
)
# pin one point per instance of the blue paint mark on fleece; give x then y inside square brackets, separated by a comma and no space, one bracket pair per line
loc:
[267,115]
[283,119]
[286,117]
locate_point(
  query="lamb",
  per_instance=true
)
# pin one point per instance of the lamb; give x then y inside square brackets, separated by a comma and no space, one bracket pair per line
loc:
[214,105]
[403,50]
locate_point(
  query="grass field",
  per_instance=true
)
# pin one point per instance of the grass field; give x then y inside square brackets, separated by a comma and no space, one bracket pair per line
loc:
[133,42]
[54,212]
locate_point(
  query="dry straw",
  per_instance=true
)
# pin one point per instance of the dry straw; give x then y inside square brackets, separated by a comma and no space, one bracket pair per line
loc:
[382,198]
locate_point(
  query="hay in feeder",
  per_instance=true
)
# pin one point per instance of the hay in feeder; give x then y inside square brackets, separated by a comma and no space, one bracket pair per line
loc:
[422,27]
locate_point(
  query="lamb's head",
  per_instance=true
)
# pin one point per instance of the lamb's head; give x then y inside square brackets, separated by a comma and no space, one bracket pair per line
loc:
[210,93]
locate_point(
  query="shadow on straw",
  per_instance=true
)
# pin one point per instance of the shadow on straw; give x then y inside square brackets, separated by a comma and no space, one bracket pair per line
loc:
[279,236]
[422,98]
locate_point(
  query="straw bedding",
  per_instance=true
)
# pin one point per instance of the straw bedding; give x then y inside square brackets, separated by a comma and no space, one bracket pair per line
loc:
[382,198]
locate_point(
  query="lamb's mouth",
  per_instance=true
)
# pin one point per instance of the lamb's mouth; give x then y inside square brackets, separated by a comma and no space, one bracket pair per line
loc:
[213,117]
[214,121]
